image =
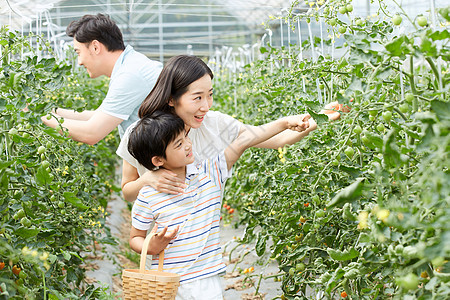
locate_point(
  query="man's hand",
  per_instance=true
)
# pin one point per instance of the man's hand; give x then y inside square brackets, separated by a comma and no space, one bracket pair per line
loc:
[164,181]
[298,123]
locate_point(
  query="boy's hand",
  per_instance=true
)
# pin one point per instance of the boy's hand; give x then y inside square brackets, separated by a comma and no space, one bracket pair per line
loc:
[298,123]
[159,241]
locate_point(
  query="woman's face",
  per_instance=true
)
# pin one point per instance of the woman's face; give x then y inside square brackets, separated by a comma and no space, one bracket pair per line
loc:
[195,103]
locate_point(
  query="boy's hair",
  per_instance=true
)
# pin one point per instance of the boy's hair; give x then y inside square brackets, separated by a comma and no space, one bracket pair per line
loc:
[151,136]
[97,27]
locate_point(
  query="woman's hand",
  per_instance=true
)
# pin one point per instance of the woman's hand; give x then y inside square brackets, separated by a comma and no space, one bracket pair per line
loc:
[164,181]
[333,109]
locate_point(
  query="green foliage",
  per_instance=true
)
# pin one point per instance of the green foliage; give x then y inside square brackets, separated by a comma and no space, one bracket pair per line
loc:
[54,191]
[382,231]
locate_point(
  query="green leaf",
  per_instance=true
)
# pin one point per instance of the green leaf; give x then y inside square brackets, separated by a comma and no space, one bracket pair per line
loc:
[4,181]
[42,176]
[343,255]
[263,50]
[352,171]
[440,35]
[72,199]
[348,194]
[5,164]
[375,140]
[397,46]
[27,232]
[442,109]
[261,244]
[319,118]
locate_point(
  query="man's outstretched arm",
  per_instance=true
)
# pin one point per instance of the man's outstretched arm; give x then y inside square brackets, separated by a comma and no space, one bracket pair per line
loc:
[90,131]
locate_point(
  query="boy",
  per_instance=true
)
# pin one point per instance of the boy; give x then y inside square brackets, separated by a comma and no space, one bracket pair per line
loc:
[189,222]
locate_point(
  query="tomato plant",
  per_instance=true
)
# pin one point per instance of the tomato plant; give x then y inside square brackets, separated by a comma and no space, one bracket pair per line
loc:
[381,171]
[40,168]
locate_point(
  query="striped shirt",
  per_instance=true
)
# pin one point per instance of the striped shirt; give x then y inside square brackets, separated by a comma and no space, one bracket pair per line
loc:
[195,253]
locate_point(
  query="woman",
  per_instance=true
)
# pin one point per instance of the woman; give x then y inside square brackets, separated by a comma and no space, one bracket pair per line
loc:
[184,87]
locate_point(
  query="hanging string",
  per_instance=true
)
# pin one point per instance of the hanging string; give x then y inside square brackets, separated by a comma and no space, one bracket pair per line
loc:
[301,51]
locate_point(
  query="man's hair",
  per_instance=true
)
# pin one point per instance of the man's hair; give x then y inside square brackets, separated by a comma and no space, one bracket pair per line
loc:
[151,136]
[97,27]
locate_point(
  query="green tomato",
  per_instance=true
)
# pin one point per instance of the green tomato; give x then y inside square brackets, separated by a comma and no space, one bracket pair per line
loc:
[404,108]
[320,213]
[61,204]
[45,164]
[388,107]
[359,22]
[380,127]
[342,29]
[332,22]
[357,129]
[19,214]
[343,10]
[387,116]
[372,118]
[396,20]
[422,21]
[349,8]
[408,282]
[292,271]
[26,135]
[300,267]
[349,152]
[409,98]
[13,131]
[25,222]
[373,112]
[23,275]
[365,140]
[41,150]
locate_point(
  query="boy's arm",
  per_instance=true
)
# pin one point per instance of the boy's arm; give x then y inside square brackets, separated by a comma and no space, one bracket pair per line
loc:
[158,242]
[252,135]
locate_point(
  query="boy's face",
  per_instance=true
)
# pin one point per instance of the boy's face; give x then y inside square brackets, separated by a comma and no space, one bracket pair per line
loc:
[179,152]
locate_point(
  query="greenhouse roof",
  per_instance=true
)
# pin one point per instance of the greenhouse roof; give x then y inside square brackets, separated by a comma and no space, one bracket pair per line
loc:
[17,13]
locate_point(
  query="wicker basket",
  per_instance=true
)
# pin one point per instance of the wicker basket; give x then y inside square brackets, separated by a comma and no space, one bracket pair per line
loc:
[145,284]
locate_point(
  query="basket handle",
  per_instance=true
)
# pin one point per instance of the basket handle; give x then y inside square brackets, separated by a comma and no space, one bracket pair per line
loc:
[144,255]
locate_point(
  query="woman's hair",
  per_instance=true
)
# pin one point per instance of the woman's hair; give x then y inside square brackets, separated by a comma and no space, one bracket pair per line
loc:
[151,136]
[97,27]
[174,80]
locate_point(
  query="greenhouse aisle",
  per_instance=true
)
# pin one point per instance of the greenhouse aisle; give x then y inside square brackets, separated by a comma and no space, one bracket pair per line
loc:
[105,269]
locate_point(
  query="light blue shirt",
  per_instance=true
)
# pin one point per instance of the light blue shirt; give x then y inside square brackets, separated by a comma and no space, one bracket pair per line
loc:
[132,79]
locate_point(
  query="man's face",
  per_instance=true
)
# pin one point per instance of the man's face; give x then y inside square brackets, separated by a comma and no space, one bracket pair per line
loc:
[87,57]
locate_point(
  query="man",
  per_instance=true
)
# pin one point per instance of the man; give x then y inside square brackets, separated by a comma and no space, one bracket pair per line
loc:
[99,44]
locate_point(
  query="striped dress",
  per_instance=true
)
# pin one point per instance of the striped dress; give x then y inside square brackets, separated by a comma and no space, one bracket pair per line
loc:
[196,252]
